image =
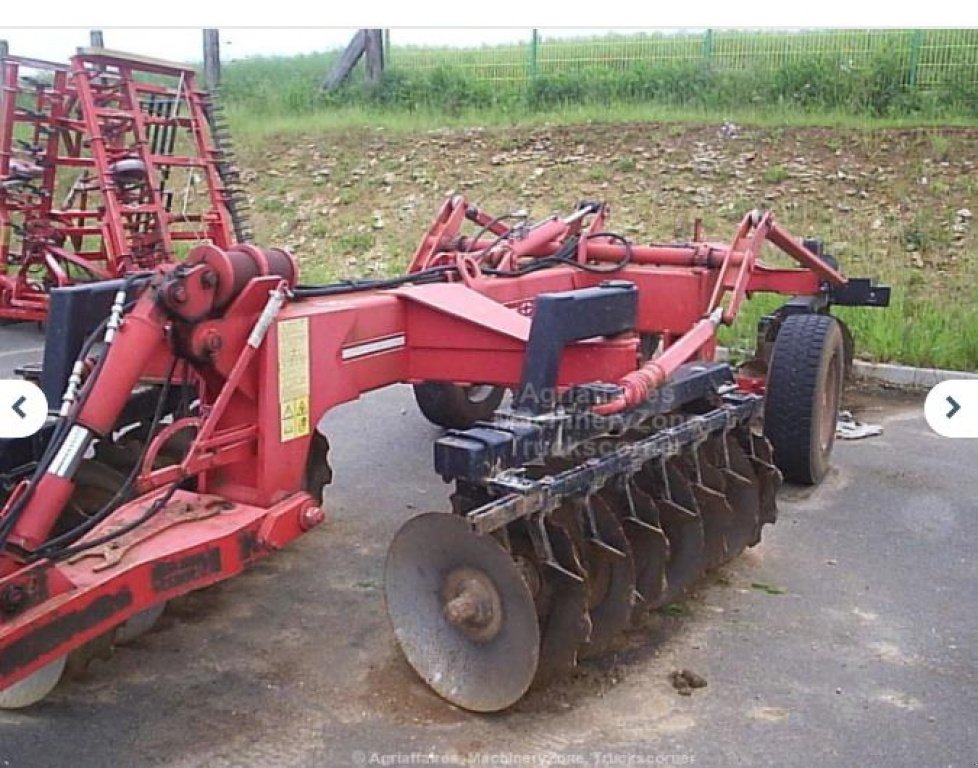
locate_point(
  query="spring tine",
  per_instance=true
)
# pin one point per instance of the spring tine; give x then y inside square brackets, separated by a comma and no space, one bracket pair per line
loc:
[651,573]
[545,551]
[227,168]
[596,536]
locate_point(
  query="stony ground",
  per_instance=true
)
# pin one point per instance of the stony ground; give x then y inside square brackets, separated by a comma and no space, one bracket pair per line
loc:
[897,203]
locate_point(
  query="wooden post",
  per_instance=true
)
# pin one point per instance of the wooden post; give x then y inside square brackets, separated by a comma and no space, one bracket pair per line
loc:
[96,39]
[347,61]
[4,48]
[212,59]
[374,51]
[387,48]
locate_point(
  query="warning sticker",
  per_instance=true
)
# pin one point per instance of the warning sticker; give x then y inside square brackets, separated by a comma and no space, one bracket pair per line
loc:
[293,378]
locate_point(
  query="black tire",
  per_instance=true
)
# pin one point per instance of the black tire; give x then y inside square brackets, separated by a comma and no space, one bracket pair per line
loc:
[96,485]
[457,407]
[849,346]
[804,389]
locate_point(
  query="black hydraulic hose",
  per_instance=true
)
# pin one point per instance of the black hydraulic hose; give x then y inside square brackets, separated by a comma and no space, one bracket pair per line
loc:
[65,423]
[623,262]
[432,274]
[150,513]
[499,238]
[61,429]
[52,547]
[564,256]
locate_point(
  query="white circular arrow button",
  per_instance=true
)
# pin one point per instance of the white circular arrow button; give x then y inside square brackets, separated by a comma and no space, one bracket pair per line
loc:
[951,408]
[23,408]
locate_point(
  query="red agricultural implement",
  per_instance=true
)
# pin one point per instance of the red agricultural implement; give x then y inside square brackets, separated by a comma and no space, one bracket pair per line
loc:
[626,464]
[107,166]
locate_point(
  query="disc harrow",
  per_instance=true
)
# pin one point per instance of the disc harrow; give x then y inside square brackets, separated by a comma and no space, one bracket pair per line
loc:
[184,440]
[600,541]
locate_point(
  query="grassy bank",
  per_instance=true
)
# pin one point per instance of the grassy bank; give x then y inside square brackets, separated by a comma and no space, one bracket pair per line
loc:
[867,139]
[251,126]
[354,200]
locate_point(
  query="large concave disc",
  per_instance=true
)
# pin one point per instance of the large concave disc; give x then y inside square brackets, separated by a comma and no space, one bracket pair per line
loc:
[138,625]
[650,548]
[714,509]
[567,624]
[762,459]
[34,687]
[461,612]
[681,523]
[611,578]
[743,495]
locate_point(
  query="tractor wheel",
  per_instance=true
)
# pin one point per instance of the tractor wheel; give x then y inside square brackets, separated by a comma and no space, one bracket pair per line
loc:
[457,407]
[804,389]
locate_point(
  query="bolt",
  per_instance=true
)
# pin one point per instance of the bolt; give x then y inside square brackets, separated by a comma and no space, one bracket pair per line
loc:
[310,517]
[178,294]
[12,599]
[470,607]
[214,342]
[463,609]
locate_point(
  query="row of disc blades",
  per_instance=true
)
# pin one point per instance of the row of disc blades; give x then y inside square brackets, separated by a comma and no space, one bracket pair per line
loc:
[482,617]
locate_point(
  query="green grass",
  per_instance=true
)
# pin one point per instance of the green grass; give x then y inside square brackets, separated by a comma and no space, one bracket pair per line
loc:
[775,174]
[880,73]
[250,127]
[919,331]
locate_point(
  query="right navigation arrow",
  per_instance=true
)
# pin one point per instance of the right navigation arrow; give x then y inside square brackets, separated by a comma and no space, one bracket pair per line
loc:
[955,406]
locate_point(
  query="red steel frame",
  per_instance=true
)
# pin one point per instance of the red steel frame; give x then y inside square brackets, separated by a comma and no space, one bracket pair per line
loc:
[249,456]
[83,119]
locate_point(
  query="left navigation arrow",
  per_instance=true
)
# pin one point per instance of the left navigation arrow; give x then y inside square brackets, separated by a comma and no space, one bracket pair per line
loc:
[23,408]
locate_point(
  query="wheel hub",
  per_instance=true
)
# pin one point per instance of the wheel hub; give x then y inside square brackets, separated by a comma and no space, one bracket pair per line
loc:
[472,604]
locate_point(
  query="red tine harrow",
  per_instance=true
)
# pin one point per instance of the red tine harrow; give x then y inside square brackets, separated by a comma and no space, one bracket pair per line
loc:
[107,165]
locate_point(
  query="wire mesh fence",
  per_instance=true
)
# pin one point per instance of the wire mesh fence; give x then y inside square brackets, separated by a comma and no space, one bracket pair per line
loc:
[927,57]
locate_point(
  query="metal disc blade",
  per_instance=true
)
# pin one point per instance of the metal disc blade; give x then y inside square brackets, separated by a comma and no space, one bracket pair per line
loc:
[650,548]
[138,625]
[461,612]
[768,476]
[567,625]
[34,687]
[744,497]
[681,524]
[611,578]
[713,507]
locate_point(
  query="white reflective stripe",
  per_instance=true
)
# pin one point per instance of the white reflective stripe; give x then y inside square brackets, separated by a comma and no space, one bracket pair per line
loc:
[370,347]
[71,452]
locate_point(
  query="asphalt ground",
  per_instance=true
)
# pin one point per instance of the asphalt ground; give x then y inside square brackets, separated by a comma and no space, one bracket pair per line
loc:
[848,637]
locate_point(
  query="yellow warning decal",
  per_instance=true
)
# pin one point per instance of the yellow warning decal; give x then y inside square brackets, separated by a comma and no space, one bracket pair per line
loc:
[293,378]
